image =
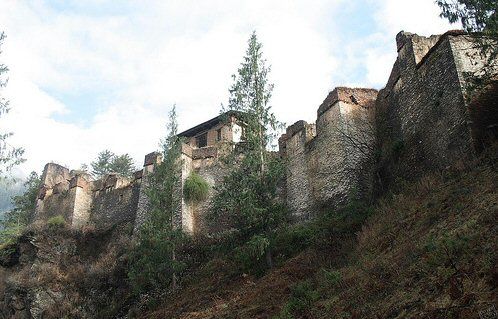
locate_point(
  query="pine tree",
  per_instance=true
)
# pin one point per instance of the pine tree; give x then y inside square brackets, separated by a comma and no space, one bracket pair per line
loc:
[475,15]
[154,264]
[108,162]
[248,194]
[101,165]
[122,164]
[9,155]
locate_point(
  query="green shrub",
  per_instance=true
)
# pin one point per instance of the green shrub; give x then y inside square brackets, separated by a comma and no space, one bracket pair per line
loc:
[330,277]
[344,222]
[249,256]
[302,298]
[56,222]
[195,189]
[295,238]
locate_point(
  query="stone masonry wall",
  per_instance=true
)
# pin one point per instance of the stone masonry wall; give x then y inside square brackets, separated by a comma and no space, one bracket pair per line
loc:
[423,117]
[204,162]
[323,168]
[81,191]
[142,209]
[54,197]
[83,201]
[298,182]
[116,205]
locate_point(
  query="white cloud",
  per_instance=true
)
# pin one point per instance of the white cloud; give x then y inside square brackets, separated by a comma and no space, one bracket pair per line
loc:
[415,16]
[147,57]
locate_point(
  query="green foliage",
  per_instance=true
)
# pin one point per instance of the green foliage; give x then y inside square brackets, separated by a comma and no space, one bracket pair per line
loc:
[249,256]
[447,250]
[248,193]
[153,262]
[108,162]
[9,156]
[331,277]
[344,222]
[195,189]
[15,220]
[9,234]
[100,166]
[295,238]
[477,16]
[9,189]
[302,298]
[328,228]
[56,222]
[123,165]
[24,205]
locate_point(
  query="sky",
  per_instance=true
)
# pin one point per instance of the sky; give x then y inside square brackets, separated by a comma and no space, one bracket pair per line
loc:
[98,74]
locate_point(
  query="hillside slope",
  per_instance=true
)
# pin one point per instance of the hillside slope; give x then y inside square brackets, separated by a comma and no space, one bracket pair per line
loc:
[429,251]
[52,271]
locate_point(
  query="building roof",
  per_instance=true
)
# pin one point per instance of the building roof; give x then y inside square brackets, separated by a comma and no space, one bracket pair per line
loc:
[208,124]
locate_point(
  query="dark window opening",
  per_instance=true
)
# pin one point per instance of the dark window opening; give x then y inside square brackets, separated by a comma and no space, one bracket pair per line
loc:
[201,140]
[218,138]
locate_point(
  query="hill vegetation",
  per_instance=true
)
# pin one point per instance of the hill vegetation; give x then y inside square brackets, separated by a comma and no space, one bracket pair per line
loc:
[428,250]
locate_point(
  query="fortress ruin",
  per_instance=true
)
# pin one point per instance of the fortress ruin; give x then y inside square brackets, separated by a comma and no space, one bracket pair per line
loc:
[362,140]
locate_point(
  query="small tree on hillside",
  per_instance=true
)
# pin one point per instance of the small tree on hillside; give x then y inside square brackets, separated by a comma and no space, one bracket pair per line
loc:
[154,263]
[9,155]
[248,193]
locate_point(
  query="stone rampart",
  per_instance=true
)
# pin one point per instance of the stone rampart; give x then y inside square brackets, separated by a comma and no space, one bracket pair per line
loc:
[324,168]
[83,201]
[424,120]
[361,143]
[205,162]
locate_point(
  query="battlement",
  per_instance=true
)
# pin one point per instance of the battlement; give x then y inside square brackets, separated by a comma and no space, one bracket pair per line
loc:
[318,158]
[353,96]
[83,200]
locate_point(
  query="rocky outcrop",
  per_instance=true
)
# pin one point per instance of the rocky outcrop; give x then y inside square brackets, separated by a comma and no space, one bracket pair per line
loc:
[55,271]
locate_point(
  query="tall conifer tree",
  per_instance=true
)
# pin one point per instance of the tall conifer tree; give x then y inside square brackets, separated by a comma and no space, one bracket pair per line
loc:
[248,194]
[154,264]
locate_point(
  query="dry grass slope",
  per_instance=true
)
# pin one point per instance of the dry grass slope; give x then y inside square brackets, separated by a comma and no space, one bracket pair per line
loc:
[429,251]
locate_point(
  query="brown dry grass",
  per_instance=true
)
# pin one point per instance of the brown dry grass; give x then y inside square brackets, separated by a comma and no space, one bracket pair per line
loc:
[403,265]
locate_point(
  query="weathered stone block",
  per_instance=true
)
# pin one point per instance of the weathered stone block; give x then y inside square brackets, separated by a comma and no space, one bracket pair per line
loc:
[205,152]
[153,158]
[78,181]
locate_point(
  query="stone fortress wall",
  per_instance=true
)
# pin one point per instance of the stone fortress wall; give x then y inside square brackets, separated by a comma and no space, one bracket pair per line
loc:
[84,201]
[324,168]
[420,121]
[205,161]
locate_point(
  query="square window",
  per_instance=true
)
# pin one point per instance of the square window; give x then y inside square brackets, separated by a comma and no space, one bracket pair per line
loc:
[201,140]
